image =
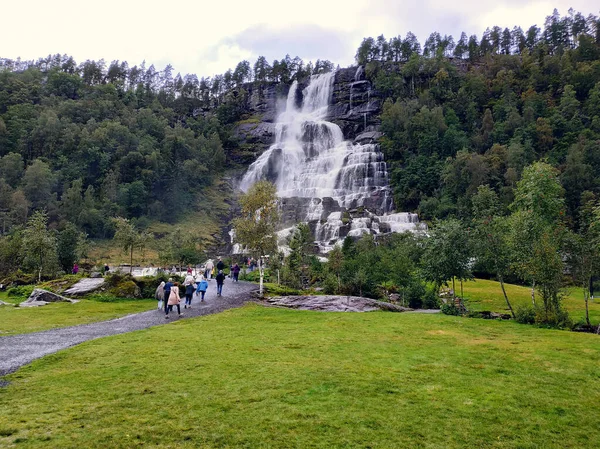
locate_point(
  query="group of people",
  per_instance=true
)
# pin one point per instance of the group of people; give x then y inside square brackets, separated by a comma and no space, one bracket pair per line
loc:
[167,294]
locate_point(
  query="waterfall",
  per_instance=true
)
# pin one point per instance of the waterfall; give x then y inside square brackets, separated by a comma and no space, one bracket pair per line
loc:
[310,159]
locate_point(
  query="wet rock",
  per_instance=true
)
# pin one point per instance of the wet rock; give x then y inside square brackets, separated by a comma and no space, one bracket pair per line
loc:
[84,286]
[40,297]
[368,137]
[335,304]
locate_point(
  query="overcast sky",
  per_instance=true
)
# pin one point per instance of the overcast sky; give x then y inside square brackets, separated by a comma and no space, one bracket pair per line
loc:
[208,37]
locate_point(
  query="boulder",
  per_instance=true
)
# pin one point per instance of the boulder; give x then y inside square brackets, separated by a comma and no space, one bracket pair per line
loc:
[84,286]
[2,303]
[335,303]
[368,137]
[96,275]
[40,297]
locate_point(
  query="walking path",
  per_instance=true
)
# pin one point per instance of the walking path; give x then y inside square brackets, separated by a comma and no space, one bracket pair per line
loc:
[19,350]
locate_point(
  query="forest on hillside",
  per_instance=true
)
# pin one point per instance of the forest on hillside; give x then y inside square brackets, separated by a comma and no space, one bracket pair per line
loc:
[92,141]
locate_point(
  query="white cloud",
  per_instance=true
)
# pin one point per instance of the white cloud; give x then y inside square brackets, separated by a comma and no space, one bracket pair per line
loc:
[208,37]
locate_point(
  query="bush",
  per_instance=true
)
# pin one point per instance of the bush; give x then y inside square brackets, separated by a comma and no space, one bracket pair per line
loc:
[280,290]
[525,315]
[330,284]
[450,309]
[148,284]
[22,291]
[431,299]
[126,289]
[254,276]
[554,319]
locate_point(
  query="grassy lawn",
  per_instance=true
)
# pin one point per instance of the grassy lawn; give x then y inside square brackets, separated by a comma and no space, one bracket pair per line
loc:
[20,320]
[265,377]
[487,295]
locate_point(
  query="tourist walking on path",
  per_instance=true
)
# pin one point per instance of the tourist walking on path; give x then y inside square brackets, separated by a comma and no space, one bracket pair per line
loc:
[75,269]
[220,265]
[202,287]
[208,269]
[160,294]
[220,279]
[168,287]
[189,292]
[174,300]
[235,272]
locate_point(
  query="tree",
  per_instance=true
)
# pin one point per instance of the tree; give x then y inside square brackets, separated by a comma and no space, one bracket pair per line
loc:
[39,244]
[255,227]
[182,248]
[537,233]
[129,238]
[491,236]
[301,247]
[335,263]
[447,255]
[71,245]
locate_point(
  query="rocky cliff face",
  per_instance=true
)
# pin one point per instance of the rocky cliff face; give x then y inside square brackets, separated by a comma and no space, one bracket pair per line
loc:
[355,108]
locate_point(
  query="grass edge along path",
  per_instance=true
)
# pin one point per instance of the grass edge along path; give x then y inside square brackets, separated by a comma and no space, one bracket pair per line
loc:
[270,377]
[23,320]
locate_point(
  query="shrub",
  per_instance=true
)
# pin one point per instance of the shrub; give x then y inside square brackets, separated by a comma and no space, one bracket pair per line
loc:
[450,309]
[431,299]
[525,315]
[126,289]
[148,284]
[22,291]
[330,284]
[280,290]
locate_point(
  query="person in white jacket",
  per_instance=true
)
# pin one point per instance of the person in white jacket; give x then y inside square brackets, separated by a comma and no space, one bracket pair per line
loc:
[208,268]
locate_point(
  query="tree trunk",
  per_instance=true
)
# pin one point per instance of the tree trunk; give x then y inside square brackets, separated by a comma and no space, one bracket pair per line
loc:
[533,293]
[586,296]
[131,261]
[453,290]
[505,296]
[462,295]
[262,273]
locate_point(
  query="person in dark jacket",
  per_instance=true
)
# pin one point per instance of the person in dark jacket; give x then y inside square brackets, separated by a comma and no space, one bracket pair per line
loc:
[236,272]
[167,287]
[220,280]
[220,265]
[189,292]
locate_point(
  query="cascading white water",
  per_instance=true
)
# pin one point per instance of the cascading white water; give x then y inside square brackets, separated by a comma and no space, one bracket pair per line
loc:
[311,159]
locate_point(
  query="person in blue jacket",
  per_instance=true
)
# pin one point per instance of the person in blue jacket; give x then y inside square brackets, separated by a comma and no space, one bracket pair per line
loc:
[202,287]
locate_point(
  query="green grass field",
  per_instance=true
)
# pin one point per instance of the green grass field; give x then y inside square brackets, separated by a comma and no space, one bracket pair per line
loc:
[487,295]
[272,378]
[20,320]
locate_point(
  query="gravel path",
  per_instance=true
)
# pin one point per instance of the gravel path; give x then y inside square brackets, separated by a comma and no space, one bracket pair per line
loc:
[19,350]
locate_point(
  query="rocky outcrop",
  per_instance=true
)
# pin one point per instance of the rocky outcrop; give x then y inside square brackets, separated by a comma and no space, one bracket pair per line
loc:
[85,286]
[355,108]
[40,297]
[334,304]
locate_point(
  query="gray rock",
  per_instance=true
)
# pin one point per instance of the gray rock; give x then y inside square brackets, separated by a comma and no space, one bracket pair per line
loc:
[368,137]
[84,286]
[2,303]
[334,304]
[40,297]
[96,275]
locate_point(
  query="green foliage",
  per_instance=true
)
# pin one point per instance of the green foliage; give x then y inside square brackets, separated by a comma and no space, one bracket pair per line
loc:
[525,315]
[447,254]
[450,309]
[21,292]
[39,245]
[280,290]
